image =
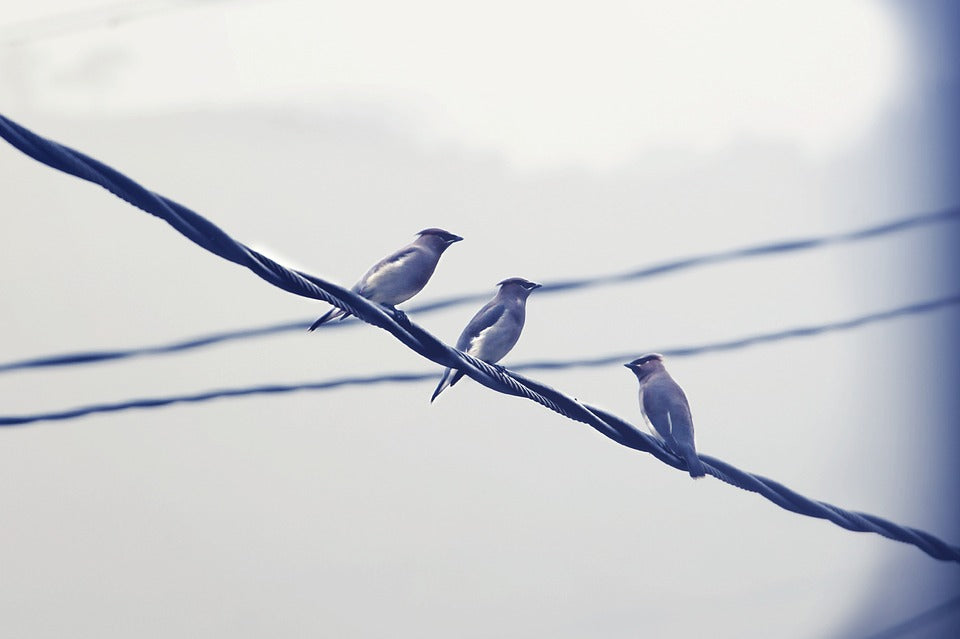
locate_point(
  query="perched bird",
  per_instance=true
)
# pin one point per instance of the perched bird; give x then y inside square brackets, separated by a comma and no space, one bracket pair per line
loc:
[398,277]
[665,408]
[495,329]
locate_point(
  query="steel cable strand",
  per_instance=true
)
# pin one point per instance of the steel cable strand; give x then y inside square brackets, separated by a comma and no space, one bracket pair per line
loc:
[607,424]
[208,235]
[851,520]
[191,224]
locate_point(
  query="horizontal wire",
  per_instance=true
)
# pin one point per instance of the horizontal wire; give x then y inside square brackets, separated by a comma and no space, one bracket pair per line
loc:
[753,340]
[205,396]
[663,268]
[207,235]
[90,357]
[331,384]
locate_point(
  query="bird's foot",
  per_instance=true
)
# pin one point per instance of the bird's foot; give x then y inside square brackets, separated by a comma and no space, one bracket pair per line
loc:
[399,316]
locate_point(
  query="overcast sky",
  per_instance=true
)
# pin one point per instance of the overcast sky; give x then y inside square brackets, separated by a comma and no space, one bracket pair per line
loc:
[559,143]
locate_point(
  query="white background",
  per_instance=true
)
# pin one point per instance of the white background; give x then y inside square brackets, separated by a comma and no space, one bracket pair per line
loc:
[560,142]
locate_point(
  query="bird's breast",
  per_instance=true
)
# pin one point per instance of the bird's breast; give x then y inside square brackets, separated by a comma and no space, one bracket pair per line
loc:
[646,420]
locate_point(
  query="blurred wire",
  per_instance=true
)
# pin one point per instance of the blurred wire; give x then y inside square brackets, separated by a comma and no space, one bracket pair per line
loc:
[207,235]
[89,357]
[903,224]
[757,250]
[267,389]
[752,340]
[685,351]
[920,620]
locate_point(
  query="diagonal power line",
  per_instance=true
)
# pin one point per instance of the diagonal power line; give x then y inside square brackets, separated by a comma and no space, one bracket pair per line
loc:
[662,268]
[207,235]
[410,377]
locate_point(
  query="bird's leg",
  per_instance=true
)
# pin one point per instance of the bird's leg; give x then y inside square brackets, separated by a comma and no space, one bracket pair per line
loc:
[398,315]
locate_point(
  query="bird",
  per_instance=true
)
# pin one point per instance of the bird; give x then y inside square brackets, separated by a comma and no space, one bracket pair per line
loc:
[665,409]
[495,329]
[399,276]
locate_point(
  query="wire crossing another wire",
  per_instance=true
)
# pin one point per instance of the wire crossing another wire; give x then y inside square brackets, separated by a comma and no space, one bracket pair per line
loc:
[207,235]
[369,380]
[663,268]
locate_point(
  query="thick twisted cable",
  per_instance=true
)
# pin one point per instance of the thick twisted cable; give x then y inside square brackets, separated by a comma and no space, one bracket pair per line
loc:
[209,236]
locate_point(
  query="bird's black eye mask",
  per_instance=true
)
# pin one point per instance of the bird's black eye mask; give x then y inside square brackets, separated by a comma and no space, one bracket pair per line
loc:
[646,359]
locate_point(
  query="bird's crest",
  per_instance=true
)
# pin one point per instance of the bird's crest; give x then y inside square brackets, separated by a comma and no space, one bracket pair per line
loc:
[446,236]
[527,284]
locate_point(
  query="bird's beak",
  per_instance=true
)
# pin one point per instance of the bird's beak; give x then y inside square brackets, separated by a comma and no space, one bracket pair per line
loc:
[628,366]
[454,238]
[535,286]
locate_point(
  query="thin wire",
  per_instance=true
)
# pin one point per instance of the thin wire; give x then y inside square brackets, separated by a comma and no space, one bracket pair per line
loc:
[752,340]
[408,377]
[90,357]
[207,235]
[194,398]
[896,226]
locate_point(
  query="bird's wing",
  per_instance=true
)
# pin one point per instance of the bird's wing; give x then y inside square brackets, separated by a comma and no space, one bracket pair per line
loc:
[665,405]
[483,319]
[385,268]
[485,325]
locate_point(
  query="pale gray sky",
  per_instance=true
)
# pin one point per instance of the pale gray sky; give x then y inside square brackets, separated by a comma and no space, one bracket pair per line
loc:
[558,143]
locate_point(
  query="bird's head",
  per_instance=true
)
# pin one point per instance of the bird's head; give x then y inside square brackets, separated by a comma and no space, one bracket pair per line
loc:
[646,364]
[518,286]
[438,237]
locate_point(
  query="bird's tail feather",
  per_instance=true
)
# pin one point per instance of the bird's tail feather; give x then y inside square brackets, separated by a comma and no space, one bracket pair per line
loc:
[444,382]
[329,316]
[450,377]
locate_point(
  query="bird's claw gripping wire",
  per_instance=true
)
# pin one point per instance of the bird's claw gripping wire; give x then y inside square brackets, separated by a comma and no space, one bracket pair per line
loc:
[399,316]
